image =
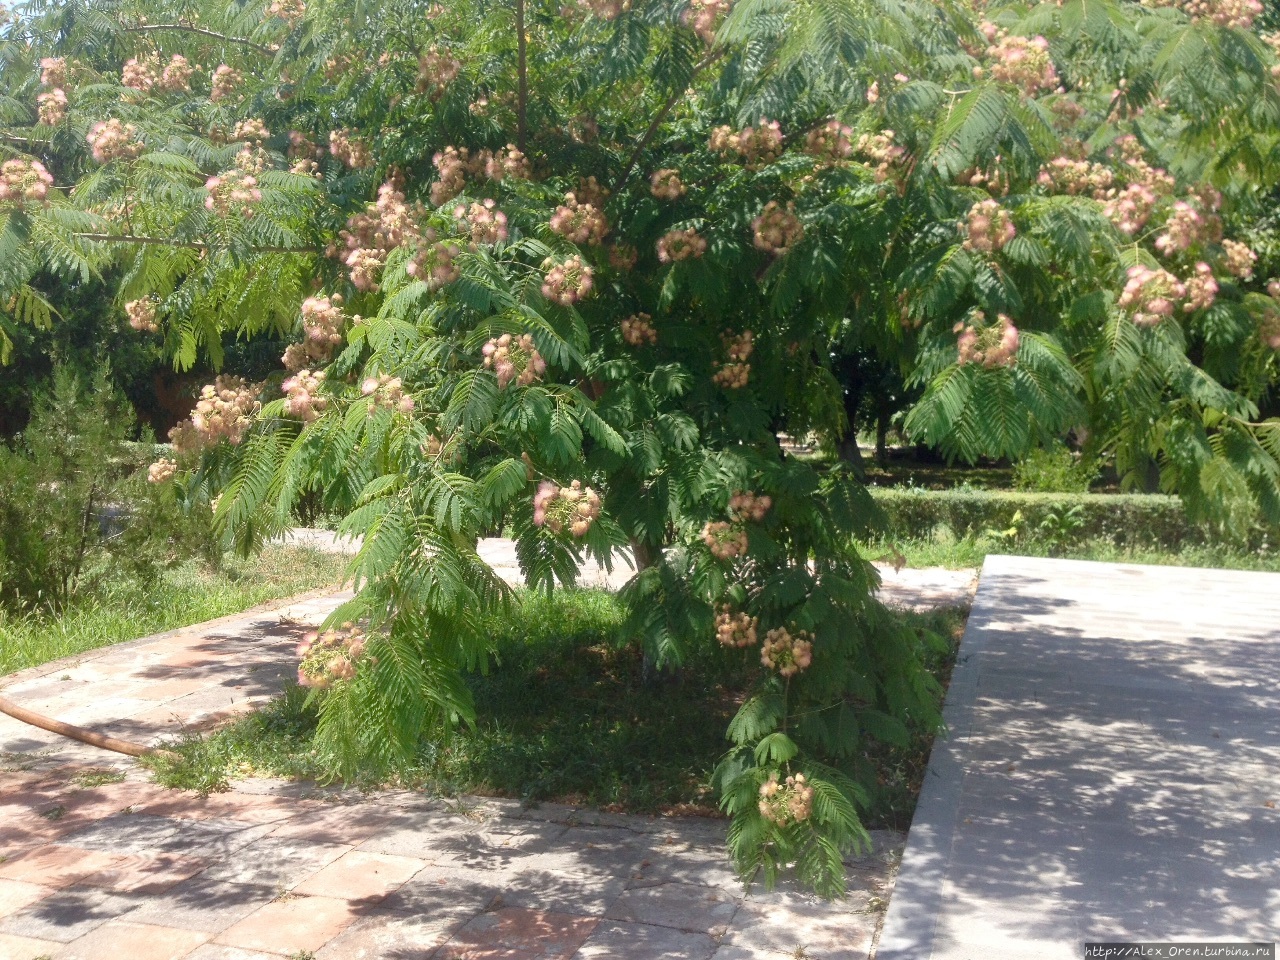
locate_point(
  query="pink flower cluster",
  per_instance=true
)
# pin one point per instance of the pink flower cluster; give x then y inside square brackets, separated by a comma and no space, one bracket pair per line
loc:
[52,106]
[290,11]
[250,131]
[177,74]
[344,148]
[1188,226]
[580,222]
[1269,326]
[434,264]
[756,145]
[637,330]
[225,411]
[745,505]
[303,398]
[777,229]
[322,323]
[514,359]
[1023,62]
[141,75]
[991,179]
[575,507]
[232,193]
[1238,259]
[665,184]
[53,72]
[704,16]
[142,314]
[1130,209]
[456,164]
[566,281]
[329,657]
[24,181]
[988,227]
[386,391]
[676,245]
[436,70]
[1076,178]
[146,75]
[725,540]
[735,629]
[113,140]
[831,141]
[786,803]
[990,346]
[786,653]
[385,224]
[1149,295]
[162,471]
[1202,289]
[486,224]
[734,372]
[1225,13]
[224,83]
[880,150]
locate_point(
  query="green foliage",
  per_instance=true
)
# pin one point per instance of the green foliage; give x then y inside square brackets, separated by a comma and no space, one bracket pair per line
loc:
[71,500]
[1054,469]
[1139,520]
[942,253]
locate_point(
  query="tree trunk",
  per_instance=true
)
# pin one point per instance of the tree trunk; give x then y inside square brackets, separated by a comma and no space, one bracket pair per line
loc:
[882,438]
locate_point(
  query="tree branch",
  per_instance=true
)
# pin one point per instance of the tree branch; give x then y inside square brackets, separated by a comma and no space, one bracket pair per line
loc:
[148,27]
[184,244]
[522,75]
[667,107]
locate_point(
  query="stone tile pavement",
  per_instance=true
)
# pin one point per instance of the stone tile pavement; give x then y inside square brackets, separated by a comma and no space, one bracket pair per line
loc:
[1111,772]
[131,871]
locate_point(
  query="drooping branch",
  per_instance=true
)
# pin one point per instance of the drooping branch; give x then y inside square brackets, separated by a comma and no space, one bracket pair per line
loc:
[522,79]
[184,244]
[187,28]
[661,115]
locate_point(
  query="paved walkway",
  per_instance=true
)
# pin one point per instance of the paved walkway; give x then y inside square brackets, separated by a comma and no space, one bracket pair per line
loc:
[1113,769]
[129,871]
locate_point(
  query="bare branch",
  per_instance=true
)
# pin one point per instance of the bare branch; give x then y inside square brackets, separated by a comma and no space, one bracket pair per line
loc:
[667,107]
[187,28]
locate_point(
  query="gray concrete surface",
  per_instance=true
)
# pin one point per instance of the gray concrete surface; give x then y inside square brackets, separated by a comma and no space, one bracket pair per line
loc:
[1112,770]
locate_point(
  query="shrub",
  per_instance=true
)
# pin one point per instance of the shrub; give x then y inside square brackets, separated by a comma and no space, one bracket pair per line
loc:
[1054,469]
[1139,520]
[73,497]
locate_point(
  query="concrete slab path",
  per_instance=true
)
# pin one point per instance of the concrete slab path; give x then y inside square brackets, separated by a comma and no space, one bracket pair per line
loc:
[1112,771]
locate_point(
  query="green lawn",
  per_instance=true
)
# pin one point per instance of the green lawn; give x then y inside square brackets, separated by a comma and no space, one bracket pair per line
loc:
[566,715]
[122,609]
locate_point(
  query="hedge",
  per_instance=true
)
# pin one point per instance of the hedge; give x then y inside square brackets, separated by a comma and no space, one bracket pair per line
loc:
[1138,520]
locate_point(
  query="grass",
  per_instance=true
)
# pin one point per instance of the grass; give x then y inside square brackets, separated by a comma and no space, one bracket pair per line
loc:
[946,551]
[565,715]
[124,609]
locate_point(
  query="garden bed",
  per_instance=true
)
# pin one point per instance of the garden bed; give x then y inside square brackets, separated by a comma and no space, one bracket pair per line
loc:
[566,714]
